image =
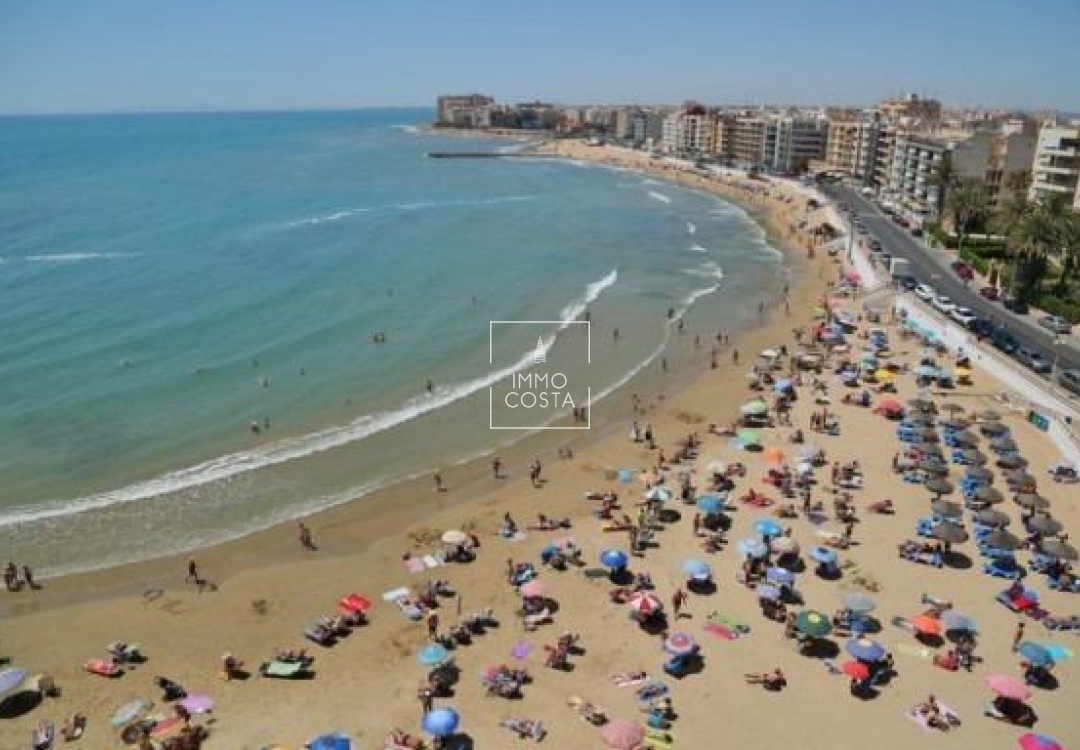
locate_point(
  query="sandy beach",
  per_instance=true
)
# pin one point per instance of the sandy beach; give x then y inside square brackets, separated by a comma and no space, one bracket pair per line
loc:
[268,588]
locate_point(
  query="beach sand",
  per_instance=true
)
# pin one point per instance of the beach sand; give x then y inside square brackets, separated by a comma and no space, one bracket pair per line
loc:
[269,588]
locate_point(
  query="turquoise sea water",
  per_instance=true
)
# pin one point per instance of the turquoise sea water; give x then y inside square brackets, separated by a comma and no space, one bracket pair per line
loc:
[166,280]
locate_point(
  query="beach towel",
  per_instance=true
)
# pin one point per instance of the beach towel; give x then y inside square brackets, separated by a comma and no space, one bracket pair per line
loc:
[722,632]
[631,683]
[595,573]
[732,623]
[431,561]
[414,565]
[520,650]
[910,650]
[395,594]
[947,713]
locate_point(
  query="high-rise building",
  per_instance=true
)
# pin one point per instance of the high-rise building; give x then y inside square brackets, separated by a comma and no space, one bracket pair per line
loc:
[852,144]
[776,141]
[914,173]
[468,110]
[992,156]
[691,131]
[1055,171]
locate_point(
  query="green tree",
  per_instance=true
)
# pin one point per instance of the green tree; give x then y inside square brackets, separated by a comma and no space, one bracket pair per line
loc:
[1013,210]
[967,201]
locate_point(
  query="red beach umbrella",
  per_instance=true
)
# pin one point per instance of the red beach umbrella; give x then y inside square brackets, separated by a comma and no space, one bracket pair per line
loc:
[622,735]
[855,669]
[645,603]
[534,588]
[1008,687]
[925,624]
[355,603]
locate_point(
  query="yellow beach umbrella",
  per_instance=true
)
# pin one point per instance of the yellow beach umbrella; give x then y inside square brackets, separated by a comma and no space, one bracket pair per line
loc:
[884,375]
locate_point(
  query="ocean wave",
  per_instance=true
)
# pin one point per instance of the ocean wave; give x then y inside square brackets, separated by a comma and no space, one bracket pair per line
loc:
[659,196]
[691,228]
[289,449]
[407,128]
[696,248]
[708,270]
[77,257]
[415,206]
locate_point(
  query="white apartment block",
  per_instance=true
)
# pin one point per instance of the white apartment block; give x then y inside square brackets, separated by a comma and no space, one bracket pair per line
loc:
[690,131]
[1056,168]
[916,162]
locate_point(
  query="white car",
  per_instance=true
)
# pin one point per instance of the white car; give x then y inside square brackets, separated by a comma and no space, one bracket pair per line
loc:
[943,304]
[962,315]
[924,292]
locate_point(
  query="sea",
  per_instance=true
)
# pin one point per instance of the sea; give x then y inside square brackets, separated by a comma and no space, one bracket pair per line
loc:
[189,308]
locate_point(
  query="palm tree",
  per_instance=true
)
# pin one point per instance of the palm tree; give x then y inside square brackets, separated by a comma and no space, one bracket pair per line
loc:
[968,200]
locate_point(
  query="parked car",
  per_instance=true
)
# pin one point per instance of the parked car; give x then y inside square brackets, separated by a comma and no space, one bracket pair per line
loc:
[916,231]
[1070,380]
[1004,341]
[963,270]
[1055,323]
[962,315]
[990,292]
[942,303]
[1032,359]
[981,327]
[1017,306]
[924,292]
[907,283]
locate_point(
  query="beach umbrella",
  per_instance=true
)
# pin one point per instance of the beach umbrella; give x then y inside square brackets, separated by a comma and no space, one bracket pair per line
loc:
[929,434]
[925,624]
[658,494]
[931,451]
[767,591]
[128,712]
[988,415]
[1001,539]
[679,643]
[1011,461]
[1021,478]
[965,437]
[11,678]
[926,371]
[355,603]
[889,405]
[922,403]
[783,545]
[754,408]
[988,495]
[954,620]
[198,703]
[979,473]
[782,385]
[856,670]
[645,603]
[952,409]
[648,478]
[710,505]
[1008,687]
[332,741]
[779,576]
[813,623]
[534,588]
[716,467]
[949,532]
[748,437]
[939,486]
[772,454]
[809,452]
[1044,523]
[620,734]
[991,517]
[955,425]
[973,456]
[432,655]
[625,476]
[1059,652]
[947,508]
[883,375]
[614,558]
[454,537]
[934,467]
[767,527]
[1003,444]
[1058,549]
[1035,654]
[994,429]
[751,547]
[822,555]
[865,649]
[859,602]
[1032,501]
[1032,741]
[698,569]
[442,722]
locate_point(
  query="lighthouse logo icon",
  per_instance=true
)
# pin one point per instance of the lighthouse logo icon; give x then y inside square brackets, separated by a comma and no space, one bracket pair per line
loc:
[540,355]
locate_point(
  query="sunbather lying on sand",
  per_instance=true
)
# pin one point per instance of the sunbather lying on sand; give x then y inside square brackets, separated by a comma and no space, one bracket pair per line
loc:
[629,678]
[770,681]
[399,738]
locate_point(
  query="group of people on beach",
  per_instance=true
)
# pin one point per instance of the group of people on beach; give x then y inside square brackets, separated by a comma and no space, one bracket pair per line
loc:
[12,580]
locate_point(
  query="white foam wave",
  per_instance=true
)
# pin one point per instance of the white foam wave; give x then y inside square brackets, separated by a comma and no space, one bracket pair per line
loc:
[708,270]
[289,449]
[659,197]
[417,206]
[696,248]
[691,228]
[77,257]
[694,296]
[407,128]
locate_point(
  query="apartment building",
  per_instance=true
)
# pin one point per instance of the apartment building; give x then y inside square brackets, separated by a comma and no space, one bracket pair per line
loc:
[852,144]
[1055,169]
[465,111]
[690,131]
[748,139]
[648,127]
[913,173]
[993,156]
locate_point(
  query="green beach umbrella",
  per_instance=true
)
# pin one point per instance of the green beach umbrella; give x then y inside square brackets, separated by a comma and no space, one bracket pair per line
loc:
[754,408]
[813,623]
[748,437]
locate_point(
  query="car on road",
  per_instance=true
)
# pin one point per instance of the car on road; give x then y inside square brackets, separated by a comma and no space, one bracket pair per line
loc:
[981,327]
[924,292]
[990,293]
[907,283]
[916,231]
[942,303]
[1004,341]
[962,315]
[1014,304]
[1055,323]
[963,270]
[1032,359]
[1070,380]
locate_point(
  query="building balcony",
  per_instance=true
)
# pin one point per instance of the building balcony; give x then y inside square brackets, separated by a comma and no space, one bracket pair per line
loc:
[1071,171]
[1053,187]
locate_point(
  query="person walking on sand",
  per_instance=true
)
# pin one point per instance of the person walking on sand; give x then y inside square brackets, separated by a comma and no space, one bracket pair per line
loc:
[438,481]
[306,540]
[735,356]
[426,696]
[432,626]
[496,467]
[28,576]
[1018,636]
[678,599]
[697,524]
[192,572]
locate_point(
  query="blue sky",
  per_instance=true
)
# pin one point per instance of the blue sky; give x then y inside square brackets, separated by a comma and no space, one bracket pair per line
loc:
[124,55]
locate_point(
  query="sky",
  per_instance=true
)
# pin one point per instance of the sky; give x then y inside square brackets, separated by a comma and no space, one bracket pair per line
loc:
[139,55]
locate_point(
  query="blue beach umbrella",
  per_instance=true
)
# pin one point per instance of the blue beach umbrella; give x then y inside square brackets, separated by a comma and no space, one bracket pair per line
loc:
[710,504]
[11,678]
[332,741]
[926,371]
[697,569]
[767,527]
[625,476]
[954,620]
[768,592]
[1059,652]
[859,603]
[441,722]
[1035,654]
[128,712]
[780,576]
[432,655]
[753,547]
[658,494]
[614,558]
[822,554]
[865,649]
[782,385]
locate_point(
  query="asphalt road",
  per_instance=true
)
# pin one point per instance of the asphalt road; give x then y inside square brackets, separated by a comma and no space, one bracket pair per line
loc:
[935,272]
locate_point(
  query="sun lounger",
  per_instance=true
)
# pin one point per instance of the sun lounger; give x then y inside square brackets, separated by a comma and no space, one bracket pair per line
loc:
[1019,603]
[1066,584]
[103,668]
[43,736]
[320,634]
[1003,567]
[1061,624]
[283,669]
[525,728]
